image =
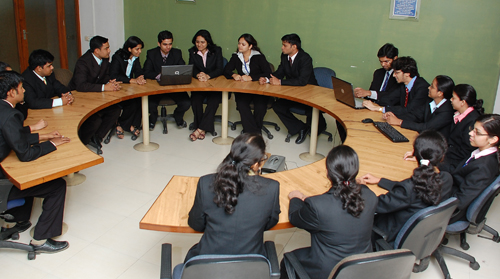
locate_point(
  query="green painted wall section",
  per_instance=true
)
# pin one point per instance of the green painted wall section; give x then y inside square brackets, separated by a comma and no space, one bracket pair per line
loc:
[459,38]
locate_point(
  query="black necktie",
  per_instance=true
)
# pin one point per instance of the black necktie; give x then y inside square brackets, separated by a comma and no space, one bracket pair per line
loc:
[290,60]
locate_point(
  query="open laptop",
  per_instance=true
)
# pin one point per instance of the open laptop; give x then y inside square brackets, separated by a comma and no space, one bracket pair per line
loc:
[344,93]
[176,74]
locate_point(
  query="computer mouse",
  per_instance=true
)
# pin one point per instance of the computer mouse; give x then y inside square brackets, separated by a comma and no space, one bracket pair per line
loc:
[367,120]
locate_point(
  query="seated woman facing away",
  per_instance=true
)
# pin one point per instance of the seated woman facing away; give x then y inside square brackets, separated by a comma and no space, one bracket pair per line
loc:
[339,221]
[426,187]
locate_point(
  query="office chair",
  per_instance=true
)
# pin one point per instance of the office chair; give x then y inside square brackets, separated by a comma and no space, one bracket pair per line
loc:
[422,233]
[324,77]
[63,75]
[248,266]
[393,264]
[270,103]
[476,216]
[5,205]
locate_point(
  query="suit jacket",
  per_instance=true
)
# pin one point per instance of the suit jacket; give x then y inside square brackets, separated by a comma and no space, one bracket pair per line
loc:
[422,119]
[259,67]
[417,97]
[378,79]
[401,202]
[39,95]
[118,68]
[335,234]
[13,136]
[88,75]
[242,232]
[154,61]
[300,74]
[215,64]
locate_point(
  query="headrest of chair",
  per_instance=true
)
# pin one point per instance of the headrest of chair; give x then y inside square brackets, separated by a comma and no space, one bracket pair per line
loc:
[203,263]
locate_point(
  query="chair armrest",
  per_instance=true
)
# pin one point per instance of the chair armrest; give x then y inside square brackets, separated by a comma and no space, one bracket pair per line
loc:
[166,261]
[380,232]
[293,267]
[272,256]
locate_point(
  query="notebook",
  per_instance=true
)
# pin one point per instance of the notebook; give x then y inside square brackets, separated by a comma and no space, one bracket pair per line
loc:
[176,74]
[344,93]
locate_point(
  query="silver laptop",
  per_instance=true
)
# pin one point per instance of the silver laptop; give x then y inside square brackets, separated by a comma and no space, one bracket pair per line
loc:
[344,93]
[176,74]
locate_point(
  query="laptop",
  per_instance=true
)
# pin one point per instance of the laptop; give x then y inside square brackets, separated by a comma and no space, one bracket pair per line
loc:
[344,93]
[176,74]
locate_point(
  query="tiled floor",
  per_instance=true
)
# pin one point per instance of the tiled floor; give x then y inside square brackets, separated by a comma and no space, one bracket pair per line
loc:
[103,213]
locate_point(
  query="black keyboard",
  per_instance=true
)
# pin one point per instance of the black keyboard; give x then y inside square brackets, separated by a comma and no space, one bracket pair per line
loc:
[389,131]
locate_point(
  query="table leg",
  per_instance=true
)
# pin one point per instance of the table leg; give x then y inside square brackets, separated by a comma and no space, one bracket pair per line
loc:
[312,156]
[145,145]
[74,179]
[224,139]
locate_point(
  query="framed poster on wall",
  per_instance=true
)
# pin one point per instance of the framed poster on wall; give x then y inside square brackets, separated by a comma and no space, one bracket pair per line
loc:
[405,9]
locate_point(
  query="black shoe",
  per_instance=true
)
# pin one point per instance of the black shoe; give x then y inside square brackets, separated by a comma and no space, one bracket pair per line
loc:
[182,125]
[19,227]
[96,141]
[51,246]
[302,136]
[152,126]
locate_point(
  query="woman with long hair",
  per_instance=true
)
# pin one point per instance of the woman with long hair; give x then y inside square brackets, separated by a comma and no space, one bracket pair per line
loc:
[339,221]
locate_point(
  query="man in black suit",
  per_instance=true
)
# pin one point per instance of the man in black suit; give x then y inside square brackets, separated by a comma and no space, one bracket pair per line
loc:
[41,85]
[92,75]
[295,69]
[22,107]
[29,147]
[383,79]
[162,55]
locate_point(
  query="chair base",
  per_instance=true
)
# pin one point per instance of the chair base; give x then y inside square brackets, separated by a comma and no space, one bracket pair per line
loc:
[454,252]
[264,128]
[330,136]
[19,246]
[164,117]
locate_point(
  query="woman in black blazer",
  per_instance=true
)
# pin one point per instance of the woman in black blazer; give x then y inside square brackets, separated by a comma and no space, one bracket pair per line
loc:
[426,187]
[206,58]
[250,64]
[339,221]
[126,67]
[478,171]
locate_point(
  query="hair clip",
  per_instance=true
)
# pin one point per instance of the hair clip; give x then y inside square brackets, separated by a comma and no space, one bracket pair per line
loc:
[233,162]
[424,162]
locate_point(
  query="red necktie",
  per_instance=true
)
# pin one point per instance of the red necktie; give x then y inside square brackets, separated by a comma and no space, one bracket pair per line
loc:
[290,60]
[406,97]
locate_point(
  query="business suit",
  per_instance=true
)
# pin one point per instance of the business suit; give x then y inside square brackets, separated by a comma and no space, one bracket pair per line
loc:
[259,67]
[38,95]
[470,180]
[242,232]
[299,74]
[13,136]
[214,68]
[378,79]
[335,234]
[401,202]
[90,77]
[418,96]
[422,119]
[152,68]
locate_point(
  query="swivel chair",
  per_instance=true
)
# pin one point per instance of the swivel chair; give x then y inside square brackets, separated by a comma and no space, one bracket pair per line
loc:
[63,75]
[248,266]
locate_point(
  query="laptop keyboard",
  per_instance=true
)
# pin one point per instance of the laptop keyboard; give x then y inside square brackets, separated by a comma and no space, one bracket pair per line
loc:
[389,131]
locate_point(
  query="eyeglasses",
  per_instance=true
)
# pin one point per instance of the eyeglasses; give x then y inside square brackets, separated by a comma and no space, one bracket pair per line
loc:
[476,132]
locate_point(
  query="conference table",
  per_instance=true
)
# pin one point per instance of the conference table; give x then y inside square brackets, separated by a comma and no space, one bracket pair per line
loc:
[378,155]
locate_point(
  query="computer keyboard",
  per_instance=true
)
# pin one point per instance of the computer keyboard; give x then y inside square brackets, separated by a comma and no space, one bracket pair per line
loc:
[389,131]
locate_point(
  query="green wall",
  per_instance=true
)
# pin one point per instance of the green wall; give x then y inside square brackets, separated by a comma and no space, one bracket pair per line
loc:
[459,38]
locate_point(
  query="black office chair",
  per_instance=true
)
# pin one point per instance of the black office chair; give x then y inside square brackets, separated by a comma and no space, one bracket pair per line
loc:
[63,75]
[393,264]
[248,266]
[422,233]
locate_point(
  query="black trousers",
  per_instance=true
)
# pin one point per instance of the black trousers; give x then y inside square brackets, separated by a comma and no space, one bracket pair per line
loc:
[131,114]
[99,123]
[205,120]
[51,220]
[181,99]
[252,123]
[282,108]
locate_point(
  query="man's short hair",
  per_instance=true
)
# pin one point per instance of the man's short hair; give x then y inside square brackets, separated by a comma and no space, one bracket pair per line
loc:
[388,50]
[97,42]
[292,39]
[406,64]
[4,66]
[163,35]
[39,57]
[9,80]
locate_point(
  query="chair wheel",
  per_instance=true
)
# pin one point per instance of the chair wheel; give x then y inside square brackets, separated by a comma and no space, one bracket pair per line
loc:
[233,127]
[277,128]
[287,140]
[14,236]
[214,133]
[444,241]
[474,265]
[165,131]
[496,239]
[465,246]
[31,256]
[270,136]
[99,152]
[330,139]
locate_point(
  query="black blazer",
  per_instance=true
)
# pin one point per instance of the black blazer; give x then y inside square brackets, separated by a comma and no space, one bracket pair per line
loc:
[422,119]
[300,74]
[215,64]
[417,97]
[39,95]
[118,68]
[259,67]
[13,136]
[242,232]
[88,75]
[335,234]
[378,79]
[401,202]
[154,61]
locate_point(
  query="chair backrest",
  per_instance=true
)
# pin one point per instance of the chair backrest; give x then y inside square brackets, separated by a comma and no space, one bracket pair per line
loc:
[63,75]
[224,62]
[476,212]
[423,232]
[250,266]
[391,264]
[324,76]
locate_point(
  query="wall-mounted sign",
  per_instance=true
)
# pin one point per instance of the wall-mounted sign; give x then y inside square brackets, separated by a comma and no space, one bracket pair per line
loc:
[405,9]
